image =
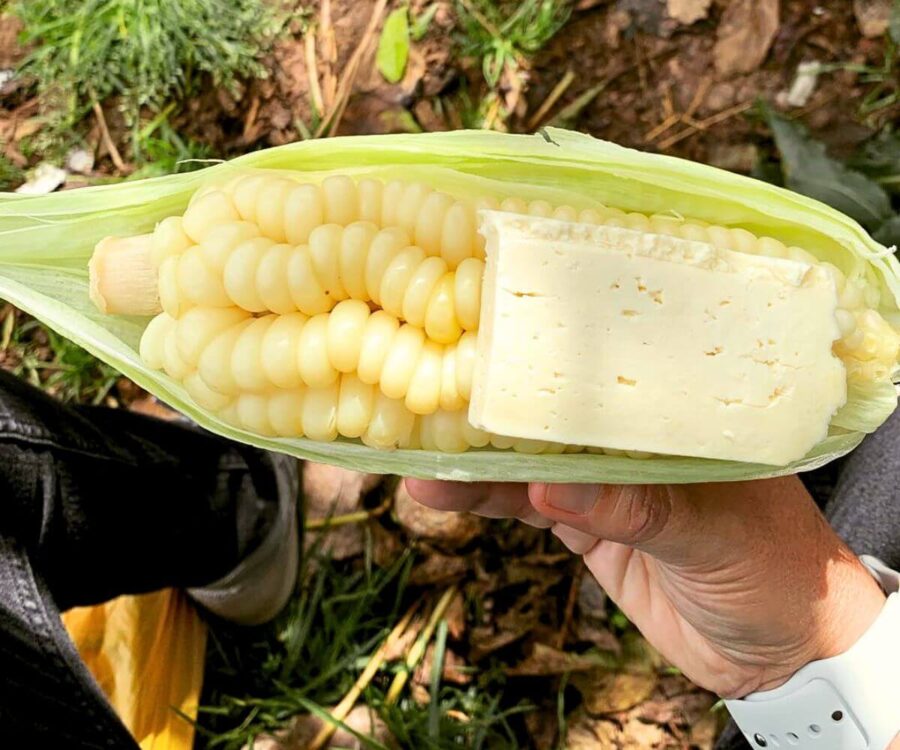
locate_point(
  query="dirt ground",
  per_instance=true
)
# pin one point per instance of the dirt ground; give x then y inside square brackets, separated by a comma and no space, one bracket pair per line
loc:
[658,84]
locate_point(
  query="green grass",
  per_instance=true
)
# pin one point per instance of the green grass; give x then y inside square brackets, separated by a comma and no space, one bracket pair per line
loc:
[51,362]
[10,175]
[144,52]
[502,34]
[258,679]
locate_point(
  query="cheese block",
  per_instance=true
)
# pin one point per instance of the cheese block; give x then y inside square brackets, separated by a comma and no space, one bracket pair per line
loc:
[615,338]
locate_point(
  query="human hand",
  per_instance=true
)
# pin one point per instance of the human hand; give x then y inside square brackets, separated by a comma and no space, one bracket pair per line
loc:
[739,585]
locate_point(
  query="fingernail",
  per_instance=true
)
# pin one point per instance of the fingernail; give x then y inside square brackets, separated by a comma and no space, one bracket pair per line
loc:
[579,499]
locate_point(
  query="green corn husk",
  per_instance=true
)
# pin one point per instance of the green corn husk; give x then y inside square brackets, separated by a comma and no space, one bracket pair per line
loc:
[45,244]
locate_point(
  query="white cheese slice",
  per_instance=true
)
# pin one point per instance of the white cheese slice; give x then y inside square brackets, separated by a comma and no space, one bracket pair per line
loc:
[615,338]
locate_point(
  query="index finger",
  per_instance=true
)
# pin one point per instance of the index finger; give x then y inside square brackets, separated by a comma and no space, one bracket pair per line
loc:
[489,499]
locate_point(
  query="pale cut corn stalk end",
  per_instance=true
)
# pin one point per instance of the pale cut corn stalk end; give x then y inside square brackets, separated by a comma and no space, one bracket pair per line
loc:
[123,280]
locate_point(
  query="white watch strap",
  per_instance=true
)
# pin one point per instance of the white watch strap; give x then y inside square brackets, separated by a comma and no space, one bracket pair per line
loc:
[848,702]
[889,579]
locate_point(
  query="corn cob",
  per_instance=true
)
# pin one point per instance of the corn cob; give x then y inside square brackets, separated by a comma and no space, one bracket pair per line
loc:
[268,288]
[235,265]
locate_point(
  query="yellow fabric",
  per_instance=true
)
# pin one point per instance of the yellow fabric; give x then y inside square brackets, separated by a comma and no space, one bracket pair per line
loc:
[147,653]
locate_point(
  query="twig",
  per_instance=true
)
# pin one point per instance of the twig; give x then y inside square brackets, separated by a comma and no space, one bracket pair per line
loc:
[677,138]
[558,90]
[250,119]
[356,517]
[312,73]
[673,118]
[328,43]
[107,138]
[725,114]
[570,608]
[330,123]
[493,114]
[342,709]
[669,122]
[699,96]
[418,649]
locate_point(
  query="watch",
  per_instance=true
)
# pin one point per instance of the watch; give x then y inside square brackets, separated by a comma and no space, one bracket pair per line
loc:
[847,702]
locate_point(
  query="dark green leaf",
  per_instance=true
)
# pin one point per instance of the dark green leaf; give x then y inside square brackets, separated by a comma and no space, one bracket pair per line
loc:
[809,170]
[888,234]
[878,157]
[393,48]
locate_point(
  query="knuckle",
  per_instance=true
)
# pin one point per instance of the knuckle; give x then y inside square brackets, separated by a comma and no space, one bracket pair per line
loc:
[643,513]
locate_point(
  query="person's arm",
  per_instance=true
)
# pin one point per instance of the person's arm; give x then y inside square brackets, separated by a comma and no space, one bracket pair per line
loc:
[739,585]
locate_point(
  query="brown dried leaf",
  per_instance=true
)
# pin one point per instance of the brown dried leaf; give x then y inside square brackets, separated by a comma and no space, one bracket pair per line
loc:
[438,568]
[606,692]
[745,34]
[585,733]
[456,618]
[589,630]
[329,490]
[302,729]
[676,702]
[449,530]
[546,660]
[485,641]
[454,668]
[542,727]
[688,11]
[872,16]
[640,736]
[703,733]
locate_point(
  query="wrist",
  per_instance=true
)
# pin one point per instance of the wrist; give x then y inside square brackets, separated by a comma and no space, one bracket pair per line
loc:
[841,610]
[848,610]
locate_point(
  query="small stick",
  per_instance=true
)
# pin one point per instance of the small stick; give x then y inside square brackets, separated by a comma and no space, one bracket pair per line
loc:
[662,127]
[570,608]
[677,138]
[356,517]
[107,138]
[250,119]
[329,53]
[725,114]
[418,649]
[312,73]
[330,123]
[340,711]
[699,96]
[558,90]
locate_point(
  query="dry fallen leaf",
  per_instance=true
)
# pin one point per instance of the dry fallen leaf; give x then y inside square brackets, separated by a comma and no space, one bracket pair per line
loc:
[302,729]
[703,733]
[607,692]
[688,11]
[454,668]
[872,16]
[448,530]
[585,733]
[436,568]
[745,34]
[328,490]
[546,660]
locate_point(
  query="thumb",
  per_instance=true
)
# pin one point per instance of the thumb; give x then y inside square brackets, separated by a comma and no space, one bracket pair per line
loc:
[653,518]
